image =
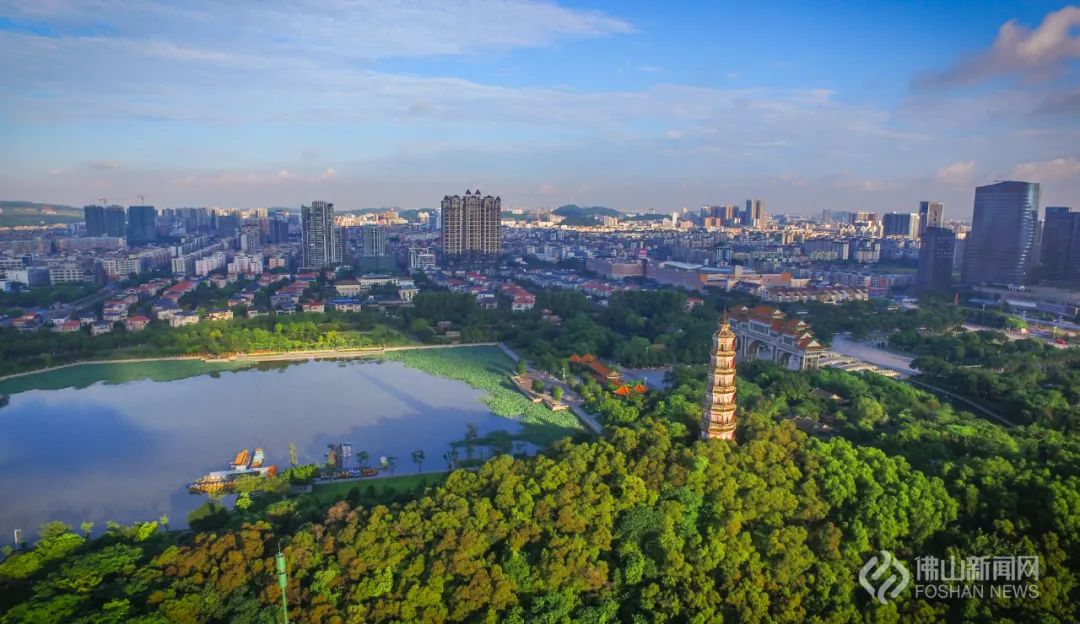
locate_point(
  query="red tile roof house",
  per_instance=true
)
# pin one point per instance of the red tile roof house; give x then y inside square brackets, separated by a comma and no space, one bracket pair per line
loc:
[136,323]
[67,327]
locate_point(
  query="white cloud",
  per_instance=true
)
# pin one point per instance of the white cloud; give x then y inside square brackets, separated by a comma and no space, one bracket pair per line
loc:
[1057,169]
[1016,49]
[959,173]
[365,29]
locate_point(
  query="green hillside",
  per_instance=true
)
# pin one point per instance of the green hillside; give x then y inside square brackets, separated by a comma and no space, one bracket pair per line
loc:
[15,213]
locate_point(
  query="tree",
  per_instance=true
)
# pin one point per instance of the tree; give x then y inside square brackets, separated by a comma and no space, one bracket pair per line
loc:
[362,458]
[391,464]
[86,527]
[557,393]
[451,458]
[537,385]
[471,437]
[418,458]
[521,368]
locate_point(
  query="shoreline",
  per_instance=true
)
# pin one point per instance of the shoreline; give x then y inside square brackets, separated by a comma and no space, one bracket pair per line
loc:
[285,356]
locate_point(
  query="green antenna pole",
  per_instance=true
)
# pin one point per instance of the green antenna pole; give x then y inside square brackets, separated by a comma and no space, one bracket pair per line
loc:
[283,582]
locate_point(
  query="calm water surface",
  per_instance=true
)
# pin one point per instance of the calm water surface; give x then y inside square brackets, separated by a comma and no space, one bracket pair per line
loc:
[126,452]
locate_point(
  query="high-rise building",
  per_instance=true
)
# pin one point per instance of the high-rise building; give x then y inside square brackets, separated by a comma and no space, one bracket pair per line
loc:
[95,220]
[1060,253]
[321,237]
[227,222]
[372,240]
[470,224]
[930,215]
[1000,247]
[249,238]
[142,225]
[279,229]
[904,224]
[115,221]
[936,260]
[754,215]
[718,416]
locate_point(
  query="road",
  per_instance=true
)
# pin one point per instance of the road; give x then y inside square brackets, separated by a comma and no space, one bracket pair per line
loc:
[968,402]
[65,310]
[874,355]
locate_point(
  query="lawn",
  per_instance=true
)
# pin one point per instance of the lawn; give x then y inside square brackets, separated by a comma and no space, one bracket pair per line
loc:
[487,368]
[387,487]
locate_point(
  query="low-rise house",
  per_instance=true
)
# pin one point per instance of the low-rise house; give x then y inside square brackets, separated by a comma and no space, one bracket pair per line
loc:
[27,323]
[317,307]
[136,323]
[164,309]
[348,288]
[407,290]
[69,326]
[345,305]
[179,319]
[255,313]
[220,315]
[101,327]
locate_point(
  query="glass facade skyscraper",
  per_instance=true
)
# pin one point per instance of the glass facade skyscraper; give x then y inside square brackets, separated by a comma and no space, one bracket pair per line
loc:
[1000,249]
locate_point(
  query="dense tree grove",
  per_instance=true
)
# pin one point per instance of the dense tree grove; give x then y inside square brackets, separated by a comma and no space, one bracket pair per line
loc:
[1029,381]
[282,333]
[643,525]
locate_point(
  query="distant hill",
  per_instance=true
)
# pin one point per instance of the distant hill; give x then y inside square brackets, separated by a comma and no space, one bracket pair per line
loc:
[15,213]
[585,215]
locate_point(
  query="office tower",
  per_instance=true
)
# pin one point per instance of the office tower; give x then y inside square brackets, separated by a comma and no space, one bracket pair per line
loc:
[95,220]
[142,225]
[321,237]
[936,260]
[1060,253]
[1000,246]
[754,216]
[279,230]
[115,221]
[372,240]
[930,215]
[904,224]
[470,224]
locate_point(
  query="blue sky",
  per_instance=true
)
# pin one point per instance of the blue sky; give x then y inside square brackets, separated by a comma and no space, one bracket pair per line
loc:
[635,105]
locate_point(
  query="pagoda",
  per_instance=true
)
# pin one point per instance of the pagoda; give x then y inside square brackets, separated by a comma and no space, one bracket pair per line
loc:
[718,415]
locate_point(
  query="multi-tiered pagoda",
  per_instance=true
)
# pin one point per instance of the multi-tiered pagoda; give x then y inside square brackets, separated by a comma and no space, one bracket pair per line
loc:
[718,417]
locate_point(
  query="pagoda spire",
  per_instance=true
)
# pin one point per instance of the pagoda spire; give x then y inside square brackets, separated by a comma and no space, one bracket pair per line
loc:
[718,415]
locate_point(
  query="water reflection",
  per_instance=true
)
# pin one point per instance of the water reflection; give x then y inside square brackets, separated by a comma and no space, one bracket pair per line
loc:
[124,452]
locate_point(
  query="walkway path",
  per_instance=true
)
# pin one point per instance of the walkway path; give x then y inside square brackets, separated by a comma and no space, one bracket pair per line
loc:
[965,401]
[570,398]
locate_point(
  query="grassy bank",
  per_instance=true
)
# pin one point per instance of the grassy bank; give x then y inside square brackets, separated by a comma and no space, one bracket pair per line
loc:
[487,368]
[383,488]
[84,375]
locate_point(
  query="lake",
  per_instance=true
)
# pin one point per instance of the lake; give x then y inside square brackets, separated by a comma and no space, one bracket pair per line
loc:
[126,451]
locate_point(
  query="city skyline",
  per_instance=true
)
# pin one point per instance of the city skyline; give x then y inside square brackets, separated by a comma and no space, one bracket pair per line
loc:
[621,105]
